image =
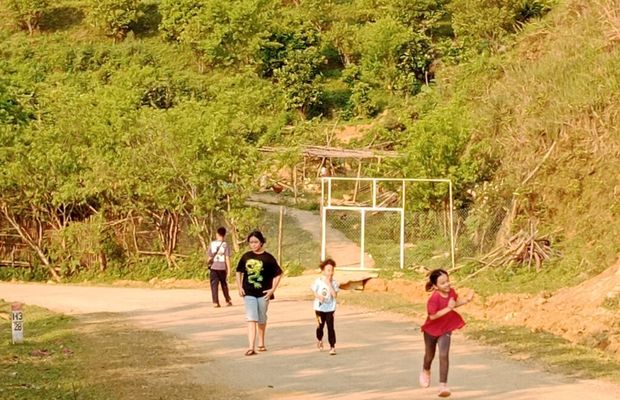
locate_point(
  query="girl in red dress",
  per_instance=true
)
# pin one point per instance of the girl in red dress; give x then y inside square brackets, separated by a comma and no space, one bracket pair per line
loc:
[441,321]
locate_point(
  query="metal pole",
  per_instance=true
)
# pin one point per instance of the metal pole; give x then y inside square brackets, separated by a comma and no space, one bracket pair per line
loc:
[280,225]
[329,191]
[323,220]
[452,245]
[402,238]
[402,227]
[362,234]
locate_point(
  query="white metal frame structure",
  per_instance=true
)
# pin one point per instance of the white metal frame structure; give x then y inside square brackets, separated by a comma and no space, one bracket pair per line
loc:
[326,205]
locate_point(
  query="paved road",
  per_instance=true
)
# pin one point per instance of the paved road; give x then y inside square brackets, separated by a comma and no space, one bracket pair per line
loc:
[379,354]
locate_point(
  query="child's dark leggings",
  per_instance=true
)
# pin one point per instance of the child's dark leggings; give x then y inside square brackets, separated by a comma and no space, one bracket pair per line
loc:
[322,318]
[430,343]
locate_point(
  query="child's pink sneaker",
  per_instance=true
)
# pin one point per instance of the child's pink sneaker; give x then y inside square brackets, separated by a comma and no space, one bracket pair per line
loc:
[425,378]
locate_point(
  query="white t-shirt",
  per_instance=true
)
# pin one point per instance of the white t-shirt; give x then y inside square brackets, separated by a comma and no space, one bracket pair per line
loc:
[219,258]
[329,304]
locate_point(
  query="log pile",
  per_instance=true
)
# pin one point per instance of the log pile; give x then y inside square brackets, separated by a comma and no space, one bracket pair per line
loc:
[523,248]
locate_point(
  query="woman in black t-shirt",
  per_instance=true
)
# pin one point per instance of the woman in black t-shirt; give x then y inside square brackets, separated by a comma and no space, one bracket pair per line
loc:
[258,275]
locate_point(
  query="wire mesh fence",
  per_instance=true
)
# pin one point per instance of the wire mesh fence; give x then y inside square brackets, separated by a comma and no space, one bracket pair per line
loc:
[426,238]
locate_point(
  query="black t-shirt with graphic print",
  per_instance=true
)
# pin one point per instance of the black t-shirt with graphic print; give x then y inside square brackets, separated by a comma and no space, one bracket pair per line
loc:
[258,272]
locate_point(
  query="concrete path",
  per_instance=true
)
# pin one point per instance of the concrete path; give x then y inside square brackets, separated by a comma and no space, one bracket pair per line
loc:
[378,357]
[346,252]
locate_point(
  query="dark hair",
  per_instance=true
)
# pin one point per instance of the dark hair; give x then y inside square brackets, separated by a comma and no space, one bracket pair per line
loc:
[327,261]
[221,231]
[258,235]
[432,278]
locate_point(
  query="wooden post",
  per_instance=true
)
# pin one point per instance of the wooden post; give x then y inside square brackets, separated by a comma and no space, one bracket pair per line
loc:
[280,224]
[357,182]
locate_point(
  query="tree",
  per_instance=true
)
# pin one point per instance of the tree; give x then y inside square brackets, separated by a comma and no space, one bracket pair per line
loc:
[381,44]
[299,78]
[219,31]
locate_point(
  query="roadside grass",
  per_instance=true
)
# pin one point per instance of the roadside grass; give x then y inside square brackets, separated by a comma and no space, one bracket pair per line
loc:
[45,365]
[552,352]
[544,350]
[97,357]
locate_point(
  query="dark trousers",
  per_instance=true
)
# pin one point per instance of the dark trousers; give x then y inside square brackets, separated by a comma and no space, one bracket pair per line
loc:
[430,344]
[322,318]
[218,277]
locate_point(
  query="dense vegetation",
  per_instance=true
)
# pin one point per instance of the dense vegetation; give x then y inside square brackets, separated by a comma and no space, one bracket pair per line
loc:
[132,128]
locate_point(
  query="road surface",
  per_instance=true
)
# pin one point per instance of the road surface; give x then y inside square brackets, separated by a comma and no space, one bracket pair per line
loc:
[379,354]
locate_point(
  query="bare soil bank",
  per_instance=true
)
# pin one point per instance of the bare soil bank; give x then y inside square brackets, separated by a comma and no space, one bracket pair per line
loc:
[578,314]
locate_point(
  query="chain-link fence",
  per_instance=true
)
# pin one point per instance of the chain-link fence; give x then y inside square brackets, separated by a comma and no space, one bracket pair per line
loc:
[426,238]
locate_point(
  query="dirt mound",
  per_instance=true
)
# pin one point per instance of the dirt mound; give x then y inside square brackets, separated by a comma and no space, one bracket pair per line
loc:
[578,314]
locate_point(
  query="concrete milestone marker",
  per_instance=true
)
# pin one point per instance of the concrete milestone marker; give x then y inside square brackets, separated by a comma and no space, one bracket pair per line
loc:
[17,325]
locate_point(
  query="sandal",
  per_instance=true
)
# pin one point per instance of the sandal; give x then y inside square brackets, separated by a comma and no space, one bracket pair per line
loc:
[262,348]
[250,352]
[319,345]
[332,351]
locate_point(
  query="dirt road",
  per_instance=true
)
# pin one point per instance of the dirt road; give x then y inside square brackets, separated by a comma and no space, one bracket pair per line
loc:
[379,354]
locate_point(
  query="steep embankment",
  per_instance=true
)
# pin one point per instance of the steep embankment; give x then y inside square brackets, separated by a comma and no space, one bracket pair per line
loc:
[551,113]
[583,314]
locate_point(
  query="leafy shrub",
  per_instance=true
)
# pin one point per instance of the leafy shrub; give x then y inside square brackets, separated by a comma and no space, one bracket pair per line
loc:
[221,32]
[116,17]
[11,110]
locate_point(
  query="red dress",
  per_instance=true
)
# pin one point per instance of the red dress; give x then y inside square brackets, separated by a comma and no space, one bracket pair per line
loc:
[446,323]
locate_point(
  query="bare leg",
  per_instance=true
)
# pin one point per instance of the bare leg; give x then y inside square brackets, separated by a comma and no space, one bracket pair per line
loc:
[261,334]
[251,334]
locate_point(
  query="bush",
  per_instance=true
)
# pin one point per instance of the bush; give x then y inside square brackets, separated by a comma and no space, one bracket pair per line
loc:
[116,17]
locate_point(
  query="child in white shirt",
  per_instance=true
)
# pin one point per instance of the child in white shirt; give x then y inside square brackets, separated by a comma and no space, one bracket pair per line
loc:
[325,289]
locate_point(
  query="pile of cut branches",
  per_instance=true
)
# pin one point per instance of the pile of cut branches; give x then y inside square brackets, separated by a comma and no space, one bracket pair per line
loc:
[523,248]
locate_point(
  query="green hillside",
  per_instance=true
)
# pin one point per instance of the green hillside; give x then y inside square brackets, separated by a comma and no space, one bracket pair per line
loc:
[547,110]
[133,128]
